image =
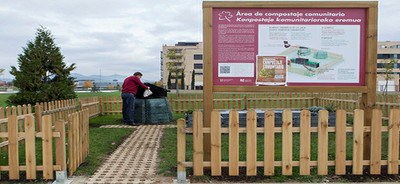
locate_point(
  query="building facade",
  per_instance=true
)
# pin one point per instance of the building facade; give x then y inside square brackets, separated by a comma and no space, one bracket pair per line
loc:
[388,51]
[185,69]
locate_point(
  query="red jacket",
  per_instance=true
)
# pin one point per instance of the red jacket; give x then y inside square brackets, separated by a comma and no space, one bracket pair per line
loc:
[131,85]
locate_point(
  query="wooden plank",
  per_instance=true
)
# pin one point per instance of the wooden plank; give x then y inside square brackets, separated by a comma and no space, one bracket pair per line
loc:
[269,143]
[76,140]
[376,143]
[30,149]
[358,130]
[198,143]
[393,151]
[287,141]
[38,117]
[251,143]
[13,152]
[233,143]
[305,141]
[47,147]
[70,145]
[340,139]
[208,96]
[3,128]
[60,145]
[323,117]
[181,146]
[215,143]
[369,97]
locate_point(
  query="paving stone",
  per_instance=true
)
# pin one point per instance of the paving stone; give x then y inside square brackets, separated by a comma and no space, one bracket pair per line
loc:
[135,160]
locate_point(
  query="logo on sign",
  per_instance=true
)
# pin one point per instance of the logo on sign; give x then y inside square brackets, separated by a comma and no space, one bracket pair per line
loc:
[224,15]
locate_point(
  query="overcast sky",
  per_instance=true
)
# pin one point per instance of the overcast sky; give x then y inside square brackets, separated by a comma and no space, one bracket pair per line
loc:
[120,36]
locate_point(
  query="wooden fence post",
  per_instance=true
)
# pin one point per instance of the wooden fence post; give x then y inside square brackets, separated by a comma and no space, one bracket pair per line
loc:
[198,153]
[251,143]
[376,143]
[215,143]
[358,139]
[340,139]
[287,142]
[269,143]
[181,149]
[305,141]
[323,117]
[38,117]
[70,144]
[47,143]
[30,148]
[233,143]
[393,151]
[13,152]
[60,145]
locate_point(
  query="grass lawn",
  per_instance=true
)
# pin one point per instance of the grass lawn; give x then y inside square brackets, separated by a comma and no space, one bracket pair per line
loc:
[99,94]
[3,98]
[168,156]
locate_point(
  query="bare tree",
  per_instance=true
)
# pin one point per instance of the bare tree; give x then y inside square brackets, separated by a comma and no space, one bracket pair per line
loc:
[388,73]
[176,65]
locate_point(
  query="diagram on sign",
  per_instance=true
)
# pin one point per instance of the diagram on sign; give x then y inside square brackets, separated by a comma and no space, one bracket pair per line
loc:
[314,54]
[308,61]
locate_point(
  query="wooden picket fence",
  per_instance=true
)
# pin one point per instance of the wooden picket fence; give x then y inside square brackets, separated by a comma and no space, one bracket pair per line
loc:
[78,139]
[92,104]
[111,105]
[56,109]
[241,101]
[287,133]
[20,112]
[19,126]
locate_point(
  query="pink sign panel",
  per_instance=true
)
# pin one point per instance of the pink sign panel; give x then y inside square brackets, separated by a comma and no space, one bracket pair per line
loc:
[319,47]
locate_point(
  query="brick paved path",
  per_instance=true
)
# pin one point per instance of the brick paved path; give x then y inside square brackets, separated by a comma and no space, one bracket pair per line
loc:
[135,160]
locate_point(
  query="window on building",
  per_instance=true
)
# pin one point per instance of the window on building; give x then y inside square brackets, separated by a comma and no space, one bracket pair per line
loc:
[385,56]
[395,46]
[198,66]
[382,46]
[198,57]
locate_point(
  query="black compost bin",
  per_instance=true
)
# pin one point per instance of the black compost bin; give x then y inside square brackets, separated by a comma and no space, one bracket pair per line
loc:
[154,109]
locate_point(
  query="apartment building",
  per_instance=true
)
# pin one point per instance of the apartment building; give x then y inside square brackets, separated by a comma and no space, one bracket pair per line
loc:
[189,62]
[388,51]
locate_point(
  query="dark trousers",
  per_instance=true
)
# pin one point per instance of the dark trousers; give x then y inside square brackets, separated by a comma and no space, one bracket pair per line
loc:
[128,108]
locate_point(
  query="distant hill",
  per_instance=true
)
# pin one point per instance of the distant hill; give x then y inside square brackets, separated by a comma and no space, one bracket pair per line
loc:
[98,78]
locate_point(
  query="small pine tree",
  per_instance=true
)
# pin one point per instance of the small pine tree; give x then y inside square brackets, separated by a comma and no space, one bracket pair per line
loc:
[183,80]
[193,77]
[42,75]
[169,84]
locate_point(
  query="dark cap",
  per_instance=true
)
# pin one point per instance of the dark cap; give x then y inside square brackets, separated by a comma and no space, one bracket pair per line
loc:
[138,73]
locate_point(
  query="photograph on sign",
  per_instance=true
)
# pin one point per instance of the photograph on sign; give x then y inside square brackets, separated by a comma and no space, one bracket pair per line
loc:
[271,70]
[321,46]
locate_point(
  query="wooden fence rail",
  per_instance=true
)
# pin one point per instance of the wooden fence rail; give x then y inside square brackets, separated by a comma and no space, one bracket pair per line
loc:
[305,134]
